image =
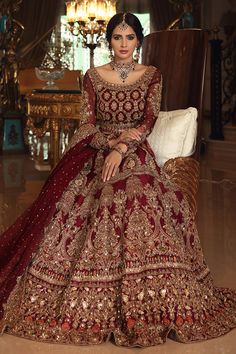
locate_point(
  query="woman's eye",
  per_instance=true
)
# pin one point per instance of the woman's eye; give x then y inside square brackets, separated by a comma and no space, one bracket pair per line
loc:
[130,38]
[116,37]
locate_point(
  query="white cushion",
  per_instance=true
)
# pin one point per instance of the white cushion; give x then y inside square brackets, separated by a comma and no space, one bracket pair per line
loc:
[174,134]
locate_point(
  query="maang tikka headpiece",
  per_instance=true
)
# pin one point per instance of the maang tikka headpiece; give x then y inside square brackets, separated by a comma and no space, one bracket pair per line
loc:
[123,25]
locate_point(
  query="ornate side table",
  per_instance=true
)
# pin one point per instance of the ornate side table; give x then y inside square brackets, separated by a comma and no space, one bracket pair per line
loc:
[53,114]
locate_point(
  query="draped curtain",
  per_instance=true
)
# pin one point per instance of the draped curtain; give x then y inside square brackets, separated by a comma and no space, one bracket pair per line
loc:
[161,11]
[38,18]
[137,6]
[162,14]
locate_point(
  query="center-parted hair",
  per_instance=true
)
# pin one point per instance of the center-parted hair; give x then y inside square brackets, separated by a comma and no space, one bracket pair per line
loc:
[130,19]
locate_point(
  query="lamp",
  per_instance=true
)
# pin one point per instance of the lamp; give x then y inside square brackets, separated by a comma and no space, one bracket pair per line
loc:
[89,19]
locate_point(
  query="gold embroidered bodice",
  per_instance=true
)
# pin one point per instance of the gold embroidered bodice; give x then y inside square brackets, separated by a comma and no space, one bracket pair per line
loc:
[109,108]
[120,106]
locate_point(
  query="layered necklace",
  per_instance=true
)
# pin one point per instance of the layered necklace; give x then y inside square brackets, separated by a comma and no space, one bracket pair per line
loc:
[123,69]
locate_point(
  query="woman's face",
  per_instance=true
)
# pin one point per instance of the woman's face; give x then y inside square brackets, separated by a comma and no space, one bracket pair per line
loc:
[123,43]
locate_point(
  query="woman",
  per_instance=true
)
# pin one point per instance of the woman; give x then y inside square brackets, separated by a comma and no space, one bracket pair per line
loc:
[110,249]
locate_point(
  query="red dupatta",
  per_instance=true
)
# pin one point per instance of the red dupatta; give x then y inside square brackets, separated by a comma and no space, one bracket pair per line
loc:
[21,240]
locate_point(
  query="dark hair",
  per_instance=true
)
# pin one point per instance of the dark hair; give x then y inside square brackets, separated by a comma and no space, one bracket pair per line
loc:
[131,20]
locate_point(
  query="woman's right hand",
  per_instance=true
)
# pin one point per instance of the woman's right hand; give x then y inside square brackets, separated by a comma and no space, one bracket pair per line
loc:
[132,133]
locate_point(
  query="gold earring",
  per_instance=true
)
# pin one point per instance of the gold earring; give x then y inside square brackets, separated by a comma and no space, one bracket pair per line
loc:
[137,54]
[111,55]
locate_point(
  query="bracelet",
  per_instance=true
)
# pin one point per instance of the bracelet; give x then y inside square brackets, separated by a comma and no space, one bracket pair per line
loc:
[130,144]
[118,149]
[125,143]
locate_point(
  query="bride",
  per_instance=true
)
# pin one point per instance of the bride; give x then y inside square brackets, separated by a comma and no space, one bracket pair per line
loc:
[109,249]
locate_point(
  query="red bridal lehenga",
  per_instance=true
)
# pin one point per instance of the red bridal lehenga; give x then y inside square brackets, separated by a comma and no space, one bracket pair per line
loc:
[93,260]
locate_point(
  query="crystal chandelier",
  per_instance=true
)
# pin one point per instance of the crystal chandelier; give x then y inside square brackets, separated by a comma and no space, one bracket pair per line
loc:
[89,18]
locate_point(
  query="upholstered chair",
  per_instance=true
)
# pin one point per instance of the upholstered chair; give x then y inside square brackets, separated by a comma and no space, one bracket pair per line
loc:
[181,57]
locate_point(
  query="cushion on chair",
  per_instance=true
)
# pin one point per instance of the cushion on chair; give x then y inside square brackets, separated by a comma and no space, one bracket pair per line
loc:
[174,134]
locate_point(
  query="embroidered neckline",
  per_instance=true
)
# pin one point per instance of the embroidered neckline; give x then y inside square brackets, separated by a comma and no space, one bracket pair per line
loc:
[149,69]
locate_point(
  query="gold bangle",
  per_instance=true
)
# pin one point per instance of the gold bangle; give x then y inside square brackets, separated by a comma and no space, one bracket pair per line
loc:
[126,143]
[118,149]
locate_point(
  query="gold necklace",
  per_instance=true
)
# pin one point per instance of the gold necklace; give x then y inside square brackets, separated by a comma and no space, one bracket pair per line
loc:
[123,69]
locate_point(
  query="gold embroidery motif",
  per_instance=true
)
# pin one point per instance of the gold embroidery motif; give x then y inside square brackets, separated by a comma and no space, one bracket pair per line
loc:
[121,256]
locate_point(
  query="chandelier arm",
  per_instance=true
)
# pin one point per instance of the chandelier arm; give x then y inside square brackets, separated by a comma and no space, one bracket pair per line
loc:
[71,29]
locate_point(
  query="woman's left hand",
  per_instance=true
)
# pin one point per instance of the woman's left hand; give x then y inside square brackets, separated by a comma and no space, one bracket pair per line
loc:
[111,164]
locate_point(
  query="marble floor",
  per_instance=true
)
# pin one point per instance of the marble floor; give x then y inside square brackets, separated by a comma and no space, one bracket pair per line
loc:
[20,183]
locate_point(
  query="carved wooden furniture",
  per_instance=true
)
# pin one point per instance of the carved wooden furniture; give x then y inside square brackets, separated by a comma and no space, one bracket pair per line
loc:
[181,57]
[53,113]
[28,81]
[52,116]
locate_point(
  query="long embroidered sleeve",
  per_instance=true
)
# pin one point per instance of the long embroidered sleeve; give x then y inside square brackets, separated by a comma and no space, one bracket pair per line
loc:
[151,110]
[88,115]
[87,127]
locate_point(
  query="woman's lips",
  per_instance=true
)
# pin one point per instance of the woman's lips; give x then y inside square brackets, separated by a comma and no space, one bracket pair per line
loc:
[123,51]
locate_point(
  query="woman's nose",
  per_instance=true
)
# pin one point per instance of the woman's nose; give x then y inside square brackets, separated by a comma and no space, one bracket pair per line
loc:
[124,42]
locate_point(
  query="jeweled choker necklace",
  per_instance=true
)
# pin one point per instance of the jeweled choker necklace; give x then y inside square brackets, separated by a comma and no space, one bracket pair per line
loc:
[123,69]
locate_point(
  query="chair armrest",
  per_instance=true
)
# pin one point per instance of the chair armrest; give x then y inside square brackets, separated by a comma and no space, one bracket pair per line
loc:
[185,172]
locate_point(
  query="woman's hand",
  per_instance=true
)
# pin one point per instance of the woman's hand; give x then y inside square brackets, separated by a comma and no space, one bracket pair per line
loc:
[111,164]
[132,133]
